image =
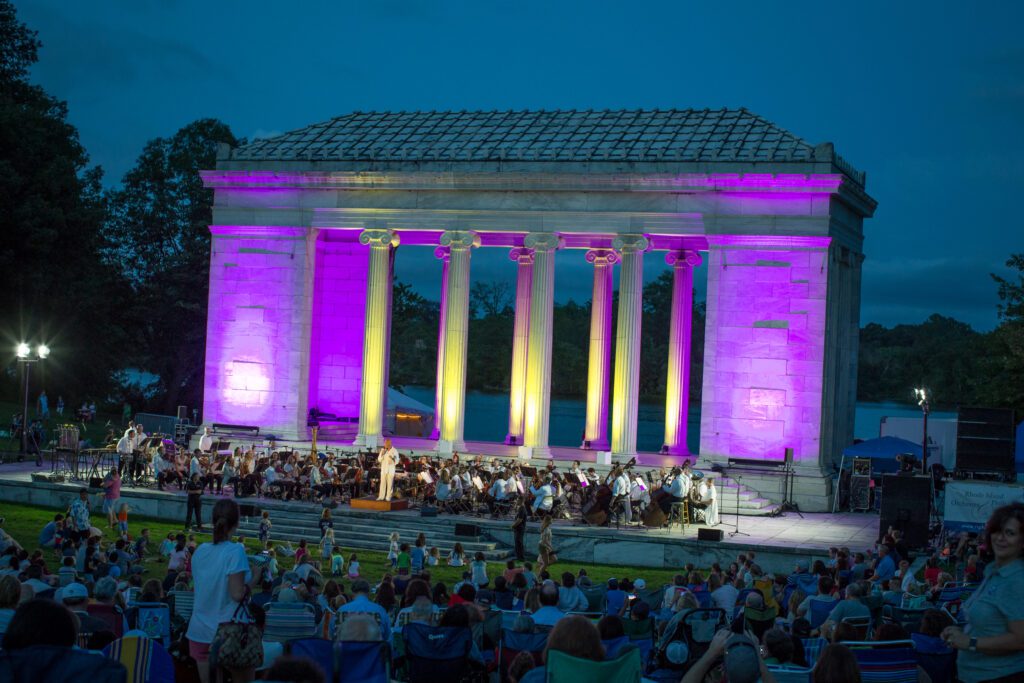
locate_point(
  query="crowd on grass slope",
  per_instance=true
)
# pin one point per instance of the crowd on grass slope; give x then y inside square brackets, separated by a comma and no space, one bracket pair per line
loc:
[79,595]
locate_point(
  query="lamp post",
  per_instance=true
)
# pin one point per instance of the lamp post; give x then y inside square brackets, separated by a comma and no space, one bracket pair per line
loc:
[26,360]
[922,400]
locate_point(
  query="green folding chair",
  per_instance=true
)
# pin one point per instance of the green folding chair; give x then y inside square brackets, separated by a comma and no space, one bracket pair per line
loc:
[625,668]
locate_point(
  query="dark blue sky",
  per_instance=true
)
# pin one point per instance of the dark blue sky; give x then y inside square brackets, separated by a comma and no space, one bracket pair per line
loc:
[929,99]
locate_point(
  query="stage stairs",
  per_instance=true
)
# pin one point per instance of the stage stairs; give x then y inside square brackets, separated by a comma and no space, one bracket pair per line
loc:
[368,530]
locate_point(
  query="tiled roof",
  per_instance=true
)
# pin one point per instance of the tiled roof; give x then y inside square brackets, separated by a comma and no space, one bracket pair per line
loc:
[681,135]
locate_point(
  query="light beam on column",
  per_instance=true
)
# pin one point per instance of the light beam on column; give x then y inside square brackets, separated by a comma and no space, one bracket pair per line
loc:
[456,339]
[520,338]
[538,373]
[441,253]
[595,434]
[626,396]
[375,343]
[677,385]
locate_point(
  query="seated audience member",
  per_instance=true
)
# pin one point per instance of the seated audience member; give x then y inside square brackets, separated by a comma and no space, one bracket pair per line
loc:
[824,594]
[610,627]
[575,636]
[361,603]
[41,622]
[523,624]
[520,665]
[75,597]
[723,593]
[615,599]
[836,664]
[548,614]
[778,646]
[850,607]
[297,669]
[843,632]
[10,596]
[736,656]
[570,597]
[360,628]
[933,621]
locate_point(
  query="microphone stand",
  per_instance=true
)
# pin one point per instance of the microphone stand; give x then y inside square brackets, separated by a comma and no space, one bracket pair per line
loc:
[736,531]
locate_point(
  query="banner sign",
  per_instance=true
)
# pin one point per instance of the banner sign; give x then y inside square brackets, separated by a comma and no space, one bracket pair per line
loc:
[969,504]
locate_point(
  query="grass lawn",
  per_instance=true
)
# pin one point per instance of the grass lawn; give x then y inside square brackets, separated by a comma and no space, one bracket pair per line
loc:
[24,522]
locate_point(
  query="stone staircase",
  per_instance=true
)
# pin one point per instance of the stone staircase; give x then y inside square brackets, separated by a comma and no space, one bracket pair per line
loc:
[368,530]
[750,502]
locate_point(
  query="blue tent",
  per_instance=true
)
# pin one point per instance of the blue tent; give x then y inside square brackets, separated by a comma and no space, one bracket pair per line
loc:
[883,452]
[1019,456]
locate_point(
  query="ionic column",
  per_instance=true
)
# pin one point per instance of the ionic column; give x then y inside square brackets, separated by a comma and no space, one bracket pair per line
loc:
[677,386]
[441,253]
[375,333]
[627,343]
[520,338]
[456,339]
[538,349]
[595,434]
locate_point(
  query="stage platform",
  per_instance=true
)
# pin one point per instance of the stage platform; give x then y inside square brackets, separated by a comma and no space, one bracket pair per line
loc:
[379,505]
[778,541]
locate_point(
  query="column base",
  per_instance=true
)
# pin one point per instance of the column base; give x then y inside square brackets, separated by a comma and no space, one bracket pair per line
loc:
[539,452]
[446,447]
[369,440]
[513,439]
[595,445]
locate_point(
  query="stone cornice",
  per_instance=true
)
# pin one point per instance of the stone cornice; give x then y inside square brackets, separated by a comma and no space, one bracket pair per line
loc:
[787,183]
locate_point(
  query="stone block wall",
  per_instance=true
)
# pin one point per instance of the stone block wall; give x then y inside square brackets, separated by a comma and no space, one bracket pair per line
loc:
[258,328]
[339,308]
[764,348]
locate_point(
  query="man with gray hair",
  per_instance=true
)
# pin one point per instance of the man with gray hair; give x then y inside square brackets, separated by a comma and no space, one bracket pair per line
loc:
[361,605]
[422,611]
[359,627]
[851,607]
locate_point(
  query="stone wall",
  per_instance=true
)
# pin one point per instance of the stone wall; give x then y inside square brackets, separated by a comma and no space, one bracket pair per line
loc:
[258,329]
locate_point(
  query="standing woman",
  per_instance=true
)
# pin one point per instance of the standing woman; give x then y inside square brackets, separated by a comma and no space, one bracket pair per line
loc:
[992,645]
[546,553]
[222,579]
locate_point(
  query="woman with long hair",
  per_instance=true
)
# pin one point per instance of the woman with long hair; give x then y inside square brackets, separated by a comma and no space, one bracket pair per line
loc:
[222,580]
[546,552]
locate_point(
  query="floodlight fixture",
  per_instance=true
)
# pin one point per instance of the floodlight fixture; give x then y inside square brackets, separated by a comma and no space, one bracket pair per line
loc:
[43,351]
[23,350]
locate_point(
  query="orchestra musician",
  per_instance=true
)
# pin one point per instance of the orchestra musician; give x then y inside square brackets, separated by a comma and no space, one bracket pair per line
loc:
[206,441]
[387,460]
[620,493]
[678,488]
[124,450]
[544,496]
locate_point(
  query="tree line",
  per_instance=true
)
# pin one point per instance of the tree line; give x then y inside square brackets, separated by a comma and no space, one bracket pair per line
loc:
[118,278]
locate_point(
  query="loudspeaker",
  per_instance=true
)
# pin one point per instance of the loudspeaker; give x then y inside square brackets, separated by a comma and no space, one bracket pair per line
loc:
[467,530]
[249,510]
[985,440]
[906,503]
[706,534]
[182,412]
[96,483]
[428,511]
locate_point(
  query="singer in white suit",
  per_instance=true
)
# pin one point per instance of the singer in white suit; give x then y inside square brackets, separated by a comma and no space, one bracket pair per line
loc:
[387,460]
[709,496]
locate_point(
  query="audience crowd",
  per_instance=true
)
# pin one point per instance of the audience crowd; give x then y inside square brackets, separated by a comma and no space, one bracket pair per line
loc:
[82,593]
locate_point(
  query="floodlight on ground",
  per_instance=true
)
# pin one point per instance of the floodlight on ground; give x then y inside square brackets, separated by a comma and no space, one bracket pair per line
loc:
[43,351]
[23,350]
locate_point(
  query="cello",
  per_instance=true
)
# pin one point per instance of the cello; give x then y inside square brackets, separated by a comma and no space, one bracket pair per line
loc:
[597,509]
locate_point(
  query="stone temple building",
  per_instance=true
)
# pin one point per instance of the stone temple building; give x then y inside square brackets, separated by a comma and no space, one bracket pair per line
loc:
[305,227]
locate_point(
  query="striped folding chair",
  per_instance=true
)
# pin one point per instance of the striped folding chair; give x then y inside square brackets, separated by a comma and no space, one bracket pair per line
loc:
[888,661]
[790,674]
[145,659]
[289,621]
[182,603]
[812,649]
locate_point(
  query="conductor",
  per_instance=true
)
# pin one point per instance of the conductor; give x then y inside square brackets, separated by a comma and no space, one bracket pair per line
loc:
[387,460]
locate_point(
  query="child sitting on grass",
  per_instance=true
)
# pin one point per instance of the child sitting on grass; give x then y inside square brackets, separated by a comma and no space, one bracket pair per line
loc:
[353,566]
[337,562]
[479,568]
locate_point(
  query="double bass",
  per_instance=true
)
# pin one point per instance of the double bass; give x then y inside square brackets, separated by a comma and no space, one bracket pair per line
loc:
[596,510]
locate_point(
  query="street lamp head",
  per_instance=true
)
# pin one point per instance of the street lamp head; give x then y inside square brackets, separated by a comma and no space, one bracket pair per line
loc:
[43,351]
[23,350]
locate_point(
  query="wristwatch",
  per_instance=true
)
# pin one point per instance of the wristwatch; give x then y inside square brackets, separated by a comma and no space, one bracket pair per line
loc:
[973,646]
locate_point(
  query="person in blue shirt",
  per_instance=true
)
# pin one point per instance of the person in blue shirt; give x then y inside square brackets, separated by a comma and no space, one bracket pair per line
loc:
[886,567]
[49,531]
[361,603]
[614,599]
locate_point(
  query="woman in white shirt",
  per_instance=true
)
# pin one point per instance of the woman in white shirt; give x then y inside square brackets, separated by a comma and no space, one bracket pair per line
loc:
[222,578]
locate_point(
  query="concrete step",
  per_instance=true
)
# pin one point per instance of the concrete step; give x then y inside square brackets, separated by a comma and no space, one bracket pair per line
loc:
[312,532]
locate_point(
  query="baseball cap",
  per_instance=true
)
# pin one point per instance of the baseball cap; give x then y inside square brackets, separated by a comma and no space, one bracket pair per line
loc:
[741,660]
[74,591]
[287,595]
[639,584]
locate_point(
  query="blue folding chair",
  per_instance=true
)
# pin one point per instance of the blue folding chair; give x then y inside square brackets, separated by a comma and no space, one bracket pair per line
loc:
[437,654]
[812,649]
[614,646]
[318,650]
[145,659]
[512,643]
[790,674]
[362,662]
[289,621]
[936,658]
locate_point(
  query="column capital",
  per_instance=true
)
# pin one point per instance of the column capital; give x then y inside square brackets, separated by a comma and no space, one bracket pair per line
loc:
[631,243]
[684,258]
[521,255]
[542,241]
[379,238]
[442,253]
[460,239]
[602,257]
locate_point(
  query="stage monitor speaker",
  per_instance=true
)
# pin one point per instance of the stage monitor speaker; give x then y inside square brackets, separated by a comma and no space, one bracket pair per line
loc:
[467,530]
[182,412]
[428,511]
[96,483]
[249,510]
[985,440]
[906,504]
[706,534]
